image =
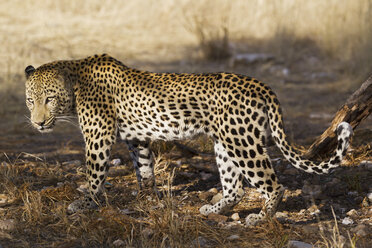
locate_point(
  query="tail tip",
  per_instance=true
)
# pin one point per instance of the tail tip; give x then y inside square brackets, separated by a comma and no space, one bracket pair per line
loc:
[344,129]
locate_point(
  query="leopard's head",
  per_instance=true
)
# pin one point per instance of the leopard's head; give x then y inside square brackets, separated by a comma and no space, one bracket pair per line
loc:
[49,96]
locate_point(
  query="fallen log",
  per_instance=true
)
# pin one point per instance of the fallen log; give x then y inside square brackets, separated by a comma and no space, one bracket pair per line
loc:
[357,107]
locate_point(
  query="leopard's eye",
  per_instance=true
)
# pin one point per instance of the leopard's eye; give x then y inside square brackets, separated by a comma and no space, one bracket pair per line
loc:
[49,99]
[29,100]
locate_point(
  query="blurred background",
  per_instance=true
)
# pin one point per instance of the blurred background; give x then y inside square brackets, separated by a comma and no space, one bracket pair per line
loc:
[313,53]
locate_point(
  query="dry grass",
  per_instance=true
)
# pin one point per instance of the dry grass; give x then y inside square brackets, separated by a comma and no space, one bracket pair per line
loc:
[42,221]
[332,238]
[359,154]
[39,198]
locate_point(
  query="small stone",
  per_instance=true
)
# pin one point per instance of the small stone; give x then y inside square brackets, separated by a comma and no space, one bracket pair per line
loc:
[285,71]
[352,193]
[310,228]
[232,225]
[367,164]
[358,227]
[147,232]
[3,199]
[352,213]
[115,162]
[134,193]
[200,242]
[213,190]
[8,224]
[205,176]
[217,217]
[233,237]
[216,198]
[235,217]
[361,233]
[369,196]
[298,244]
[118,243]
[347,221]
[206,196]
[83,188]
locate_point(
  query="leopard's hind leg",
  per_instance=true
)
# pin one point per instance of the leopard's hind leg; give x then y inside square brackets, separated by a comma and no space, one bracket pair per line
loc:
[231,181]
[254,163]
[243,152]
[143,163]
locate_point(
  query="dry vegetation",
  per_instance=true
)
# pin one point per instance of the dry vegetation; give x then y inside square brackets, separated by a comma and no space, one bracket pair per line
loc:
[321,51]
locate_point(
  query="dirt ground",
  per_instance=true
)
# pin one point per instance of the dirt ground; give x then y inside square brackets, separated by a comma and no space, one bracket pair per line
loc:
[40,174]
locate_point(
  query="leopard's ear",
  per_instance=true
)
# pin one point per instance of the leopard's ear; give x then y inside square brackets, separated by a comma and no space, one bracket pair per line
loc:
[29,71]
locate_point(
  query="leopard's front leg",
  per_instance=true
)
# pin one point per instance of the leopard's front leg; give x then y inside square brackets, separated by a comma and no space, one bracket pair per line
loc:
[99,139]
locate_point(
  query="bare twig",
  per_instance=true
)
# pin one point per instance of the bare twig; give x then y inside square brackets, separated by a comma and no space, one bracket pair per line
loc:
[355,110]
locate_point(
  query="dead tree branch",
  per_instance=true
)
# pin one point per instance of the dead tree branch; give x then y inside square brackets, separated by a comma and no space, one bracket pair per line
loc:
[356,109]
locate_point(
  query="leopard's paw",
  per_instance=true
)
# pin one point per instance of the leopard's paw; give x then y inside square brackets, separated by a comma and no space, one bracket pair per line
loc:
[253,219]
[81,204]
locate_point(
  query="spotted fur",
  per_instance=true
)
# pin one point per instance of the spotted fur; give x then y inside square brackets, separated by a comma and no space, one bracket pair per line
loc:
[112,99]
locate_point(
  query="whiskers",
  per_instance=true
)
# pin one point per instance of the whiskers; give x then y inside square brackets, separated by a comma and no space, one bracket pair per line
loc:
[27,118]
[28,122]
[50,122]
[69,119]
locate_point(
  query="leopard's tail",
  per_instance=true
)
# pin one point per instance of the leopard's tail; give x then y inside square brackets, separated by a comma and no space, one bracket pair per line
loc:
[344,132]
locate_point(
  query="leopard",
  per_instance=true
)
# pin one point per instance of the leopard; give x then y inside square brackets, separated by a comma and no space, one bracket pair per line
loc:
[112,100]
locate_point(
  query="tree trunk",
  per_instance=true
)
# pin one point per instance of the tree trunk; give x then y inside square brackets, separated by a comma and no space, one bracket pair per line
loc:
[356,109]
